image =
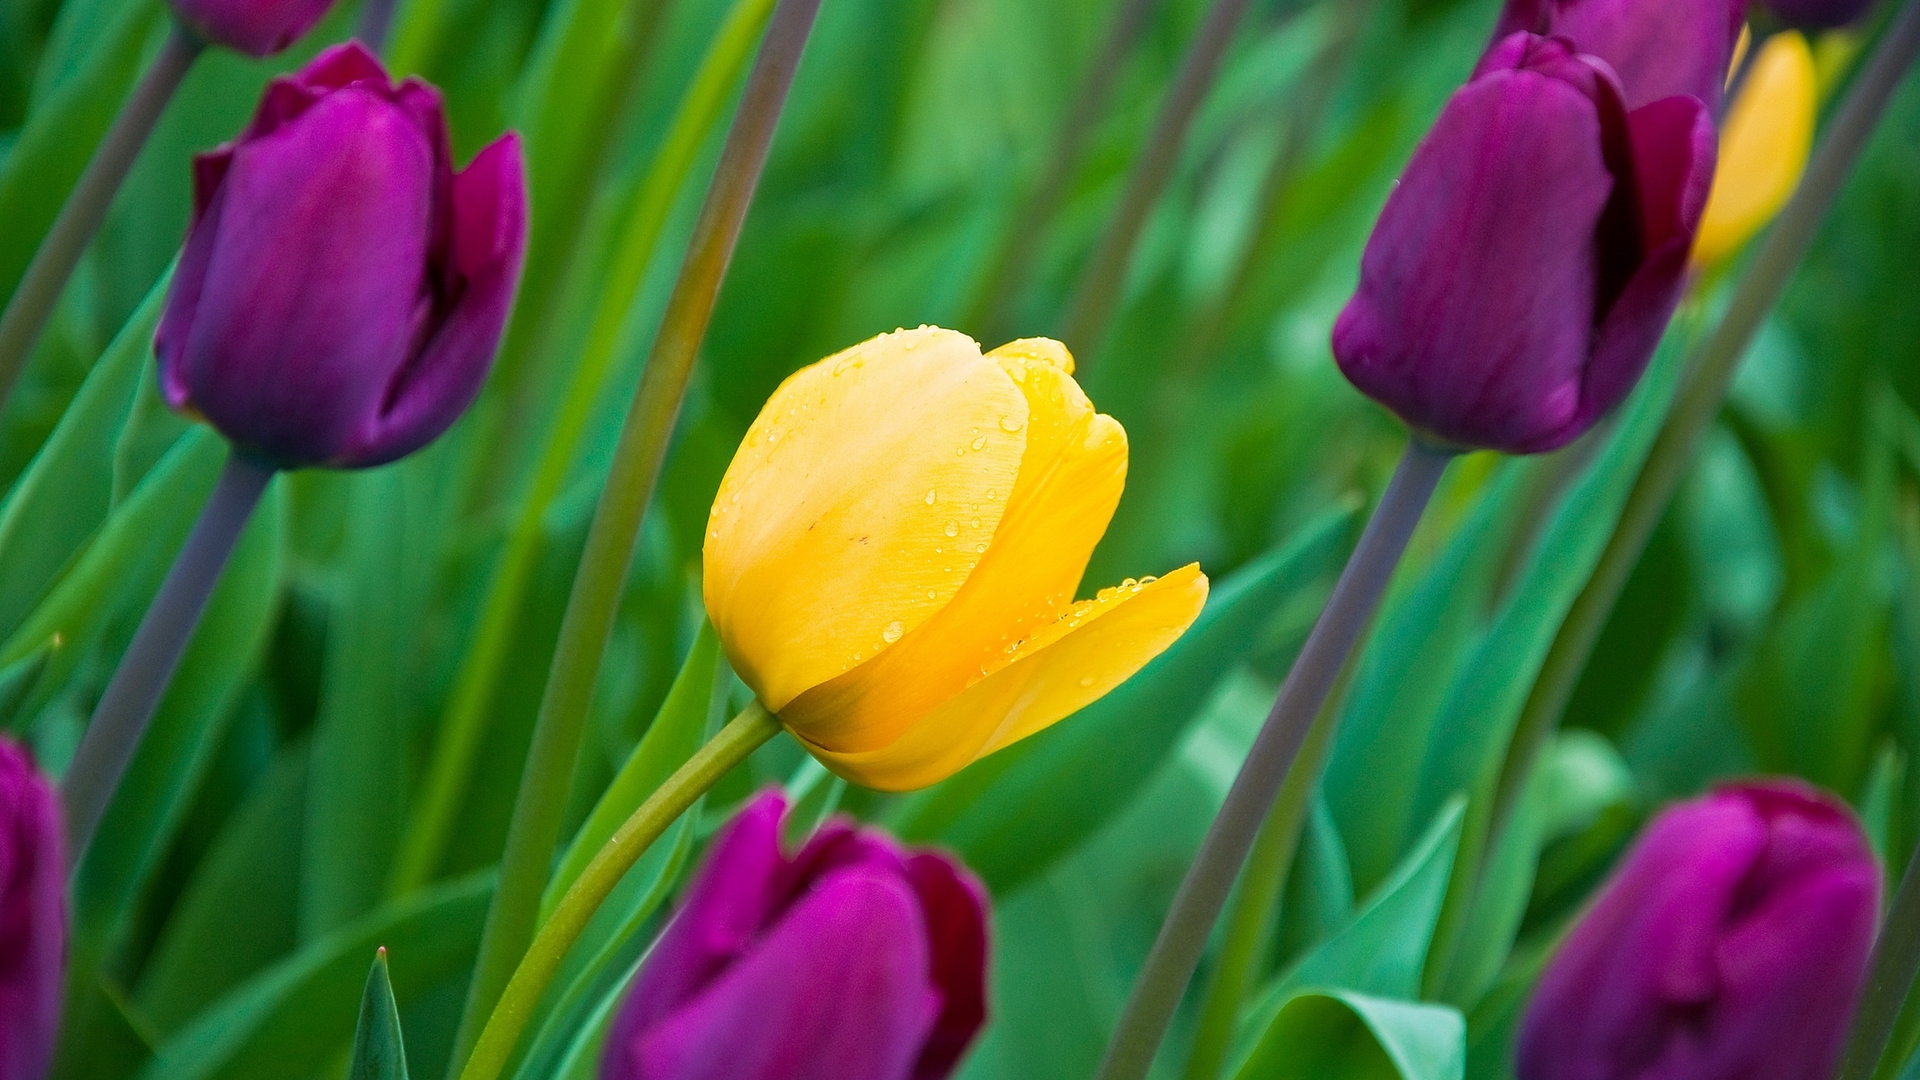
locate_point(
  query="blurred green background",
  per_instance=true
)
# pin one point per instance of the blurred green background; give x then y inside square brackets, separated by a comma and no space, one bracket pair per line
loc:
[950,162]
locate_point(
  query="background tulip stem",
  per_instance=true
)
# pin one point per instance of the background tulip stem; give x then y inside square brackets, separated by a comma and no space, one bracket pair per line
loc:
[1896,959]
[743,735]
[1698,401]
[147,665]
[86,206]
[597,587]
[1183,937]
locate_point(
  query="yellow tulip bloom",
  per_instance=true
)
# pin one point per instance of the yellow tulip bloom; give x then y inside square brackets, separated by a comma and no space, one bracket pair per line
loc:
[1763,147]
[892,557]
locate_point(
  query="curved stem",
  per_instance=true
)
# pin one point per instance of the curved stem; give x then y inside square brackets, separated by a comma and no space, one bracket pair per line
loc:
[463,729]
[537,812]
[86,206]
[742,736]
[1106,271]
[1699,399]
[147,666]
[1183,937]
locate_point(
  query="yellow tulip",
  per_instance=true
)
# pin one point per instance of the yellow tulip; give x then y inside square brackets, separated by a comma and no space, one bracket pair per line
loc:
[892,557]
[1763,147]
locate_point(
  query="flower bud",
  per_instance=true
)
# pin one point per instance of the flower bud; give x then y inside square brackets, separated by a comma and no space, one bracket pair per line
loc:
[1764,145]
[1730,944]
[1658,48]
[1818,14]
[33,916]
[342,289]
[892,557]
[255,27]
[1525,266]
[851,960]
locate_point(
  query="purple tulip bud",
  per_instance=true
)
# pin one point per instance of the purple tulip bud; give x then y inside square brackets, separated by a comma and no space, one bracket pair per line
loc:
[343,289]
[254,27]
[1818,14]
[1527,262]
[1730,944]
[1658,48]
[852,960]
[33,916]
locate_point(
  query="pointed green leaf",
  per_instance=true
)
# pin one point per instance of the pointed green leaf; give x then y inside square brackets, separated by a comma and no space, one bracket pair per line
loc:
[1341,1035]
[378,1051]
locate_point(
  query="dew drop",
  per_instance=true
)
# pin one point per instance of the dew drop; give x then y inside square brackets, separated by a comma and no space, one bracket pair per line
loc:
[991,495]
[1008,423]
[980,443]
[893,631]
[953,528]
[976,523]
[979,549]
[931,496]
[1086,680]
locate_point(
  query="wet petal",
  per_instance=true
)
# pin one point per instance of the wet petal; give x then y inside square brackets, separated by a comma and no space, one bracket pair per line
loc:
[1070,481]
[835,529]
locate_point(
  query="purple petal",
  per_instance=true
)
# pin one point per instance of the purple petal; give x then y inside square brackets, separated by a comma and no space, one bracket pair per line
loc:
[955,907]
[836,991]
[33,916]
[255,27]
[1658,47]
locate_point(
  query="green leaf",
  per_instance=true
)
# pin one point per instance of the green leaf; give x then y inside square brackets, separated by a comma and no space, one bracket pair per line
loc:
[301,1009]
[67,490]
[816,795]
[378,1051]
[675,735]
[17,681]
[1011,815]
[153,798]
[1339,1035]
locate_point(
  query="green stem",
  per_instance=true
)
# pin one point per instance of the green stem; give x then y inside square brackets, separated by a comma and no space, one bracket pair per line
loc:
[1256,902]
[741,737]
[1106,271]
[86,206]
[1699,399]
[597,587]
[463,729]
[1183,936]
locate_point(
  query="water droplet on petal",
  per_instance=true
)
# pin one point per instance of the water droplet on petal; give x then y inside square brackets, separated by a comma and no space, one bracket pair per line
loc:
[976,523]
[980,443]
[893,631]
[931,496]
[980,549]
[1008,423]
[953,528]
[1086,680]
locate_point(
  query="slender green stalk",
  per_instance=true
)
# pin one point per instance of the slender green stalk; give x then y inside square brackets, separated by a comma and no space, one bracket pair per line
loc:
[537,812]
[742,736]
[1896,959]
[1017,247]
[1251,918]
[1106,272]
[376,18]
[1711,373]
[1183,937]
[147,666]
[463,729]
[86,206]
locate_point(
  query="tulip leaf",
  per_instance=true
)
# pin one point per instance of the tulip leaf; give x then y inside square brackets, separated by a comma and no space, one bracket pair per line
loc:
[301,1009]
[1011,815]
[1340,1035]
[66,491]
[17,681]
[174,754]
[379,1053]
[674,736]
[816,795]
[65,126]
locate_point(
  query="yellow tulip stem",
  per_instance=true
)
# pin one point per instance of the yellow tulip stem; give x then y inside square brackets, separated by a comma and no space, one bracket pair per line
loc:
[1711,371]
[540,806]
[1183,936]
[743,735]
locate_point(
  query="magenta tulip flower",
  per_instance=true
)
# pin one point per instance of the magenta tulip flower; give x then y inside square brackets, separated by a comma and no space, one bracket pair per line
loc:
[342,290]
[33,916]
[1731,944]
[1658,48]
[1528,261]
[851,960]
[254,27]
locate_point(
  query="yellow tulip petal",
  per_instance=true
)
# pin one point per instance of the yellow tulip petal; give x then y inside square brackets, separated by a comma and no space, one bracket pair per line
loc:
[850,512]
[1086,654]
[1070,481]
[1763,147]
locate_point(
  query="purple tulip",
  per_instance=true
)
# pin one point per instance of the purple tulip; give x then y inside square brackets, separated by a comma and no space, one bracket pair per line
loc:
[33,916]
[1818,14]
[1730,945]
[1658,48]
[1526,264]
[342,289]
[254,27]
[852,960]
